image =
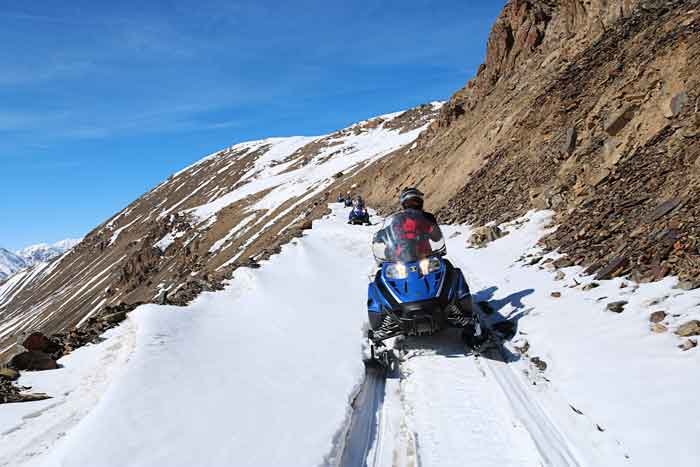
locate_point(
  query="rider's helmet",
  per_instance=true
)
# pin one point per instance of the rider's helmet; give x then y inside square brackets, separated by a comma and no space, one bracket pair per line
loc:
[358,202]
[411,198]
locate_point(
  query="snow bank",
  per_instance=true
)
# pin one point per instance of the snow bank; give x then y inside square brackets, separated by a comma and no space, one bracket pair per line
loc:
[258,374]
[635,385]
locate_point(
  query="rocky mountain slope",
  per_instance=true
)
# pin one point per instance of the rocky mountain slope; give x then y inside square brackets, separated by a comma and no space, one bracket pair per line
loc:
[589,108]
[189,233]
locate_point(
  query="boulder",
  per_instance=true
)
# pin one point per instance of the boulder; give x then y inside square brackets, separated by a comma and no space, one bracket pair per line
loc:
[619,120]
[563,262]
[657,316]
[33,360]
[658,328]
[688,344]
[39,342]
[675,104]
[617,307]
[484,235]
[556,294]
[569,144]
[691,328]
[559,276]
[9,374]
[688,284]
[664,208]
[590,286]
[613,269]
[539,363]
[522,348]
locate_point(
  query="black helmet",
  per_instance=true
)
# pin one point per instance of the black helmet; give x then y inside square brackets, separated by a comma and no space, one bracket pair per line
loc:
[411,193]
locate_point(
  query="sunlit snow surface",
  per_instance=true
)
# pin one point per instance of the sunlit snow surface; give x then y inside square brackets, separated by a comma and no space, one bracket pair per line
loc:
[261,373]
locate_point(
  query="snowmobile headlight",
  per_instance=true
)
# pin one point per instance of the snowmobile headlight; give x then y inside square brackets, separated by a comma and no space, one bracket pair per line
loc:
[429,265]
[396,271]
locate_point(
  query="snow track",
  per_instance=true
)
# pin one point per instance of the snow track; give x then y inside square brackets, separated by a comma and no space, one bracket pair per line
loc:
[553,446]
[448,407]
[364,427]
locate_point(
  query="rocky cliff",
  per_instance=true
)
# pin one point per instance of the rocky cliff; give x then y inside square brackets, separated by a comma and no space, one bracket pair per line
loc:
[588,108]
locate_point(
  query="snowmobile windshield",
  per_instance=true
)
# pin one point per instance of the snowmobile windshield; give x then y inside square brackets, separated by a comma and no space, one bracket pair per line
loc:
[408,236]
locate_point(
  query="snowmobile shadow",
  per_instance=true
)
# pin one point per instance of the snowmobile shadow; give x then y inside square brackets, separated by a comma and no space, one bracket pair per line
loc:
[514,299]
[449,344]
[505,326]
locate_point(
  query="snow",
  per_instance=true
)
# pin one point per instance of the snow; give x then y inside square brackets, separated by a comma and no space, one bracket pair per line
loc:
[263,372]
[117,232]
[343,153]
[30,430]
[608,366]
[257,374]
[167,240]
[10,263]
[44,252]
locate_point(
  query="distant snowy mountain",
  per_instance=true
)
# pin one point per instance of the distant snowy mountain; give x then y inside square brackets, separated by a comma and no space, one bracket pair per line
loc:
[43,252]
[11,262]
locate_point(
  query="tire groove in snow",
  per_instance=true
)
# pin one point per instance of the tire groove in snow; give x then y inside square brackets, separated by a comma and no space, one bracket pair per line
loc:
[365,427]
[553,446]
[551,443]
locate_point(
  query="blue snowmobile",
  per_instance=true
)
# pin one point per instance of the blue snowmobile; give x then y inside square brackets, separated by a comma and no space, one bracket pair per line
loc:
[416,291]
[348,202]
[358,214]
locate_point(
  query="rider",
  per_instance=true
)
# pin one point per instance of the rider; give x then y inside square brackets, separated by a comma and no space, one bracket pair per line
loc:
[416,230]
[412,198]
[358,210]
[420,229]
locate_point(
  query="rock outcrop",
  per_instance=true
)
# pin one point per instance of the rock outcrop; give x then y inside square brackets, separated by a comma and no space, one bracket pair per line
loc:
[586,108]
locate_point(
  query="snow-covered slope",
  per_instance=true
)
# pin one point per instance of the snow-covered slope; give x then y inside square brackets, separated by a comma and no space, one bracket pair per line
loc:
[263,372]
[10,263]
[193,230]
[43,252]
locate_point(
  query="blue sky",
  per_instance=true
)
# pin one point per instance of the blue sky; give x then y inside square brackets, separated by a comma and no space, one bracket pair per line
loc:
[103,100]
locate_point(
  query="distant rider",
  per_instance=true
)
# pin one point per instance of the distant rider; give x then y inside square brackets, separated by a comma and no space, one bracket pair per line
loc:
[358,210]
